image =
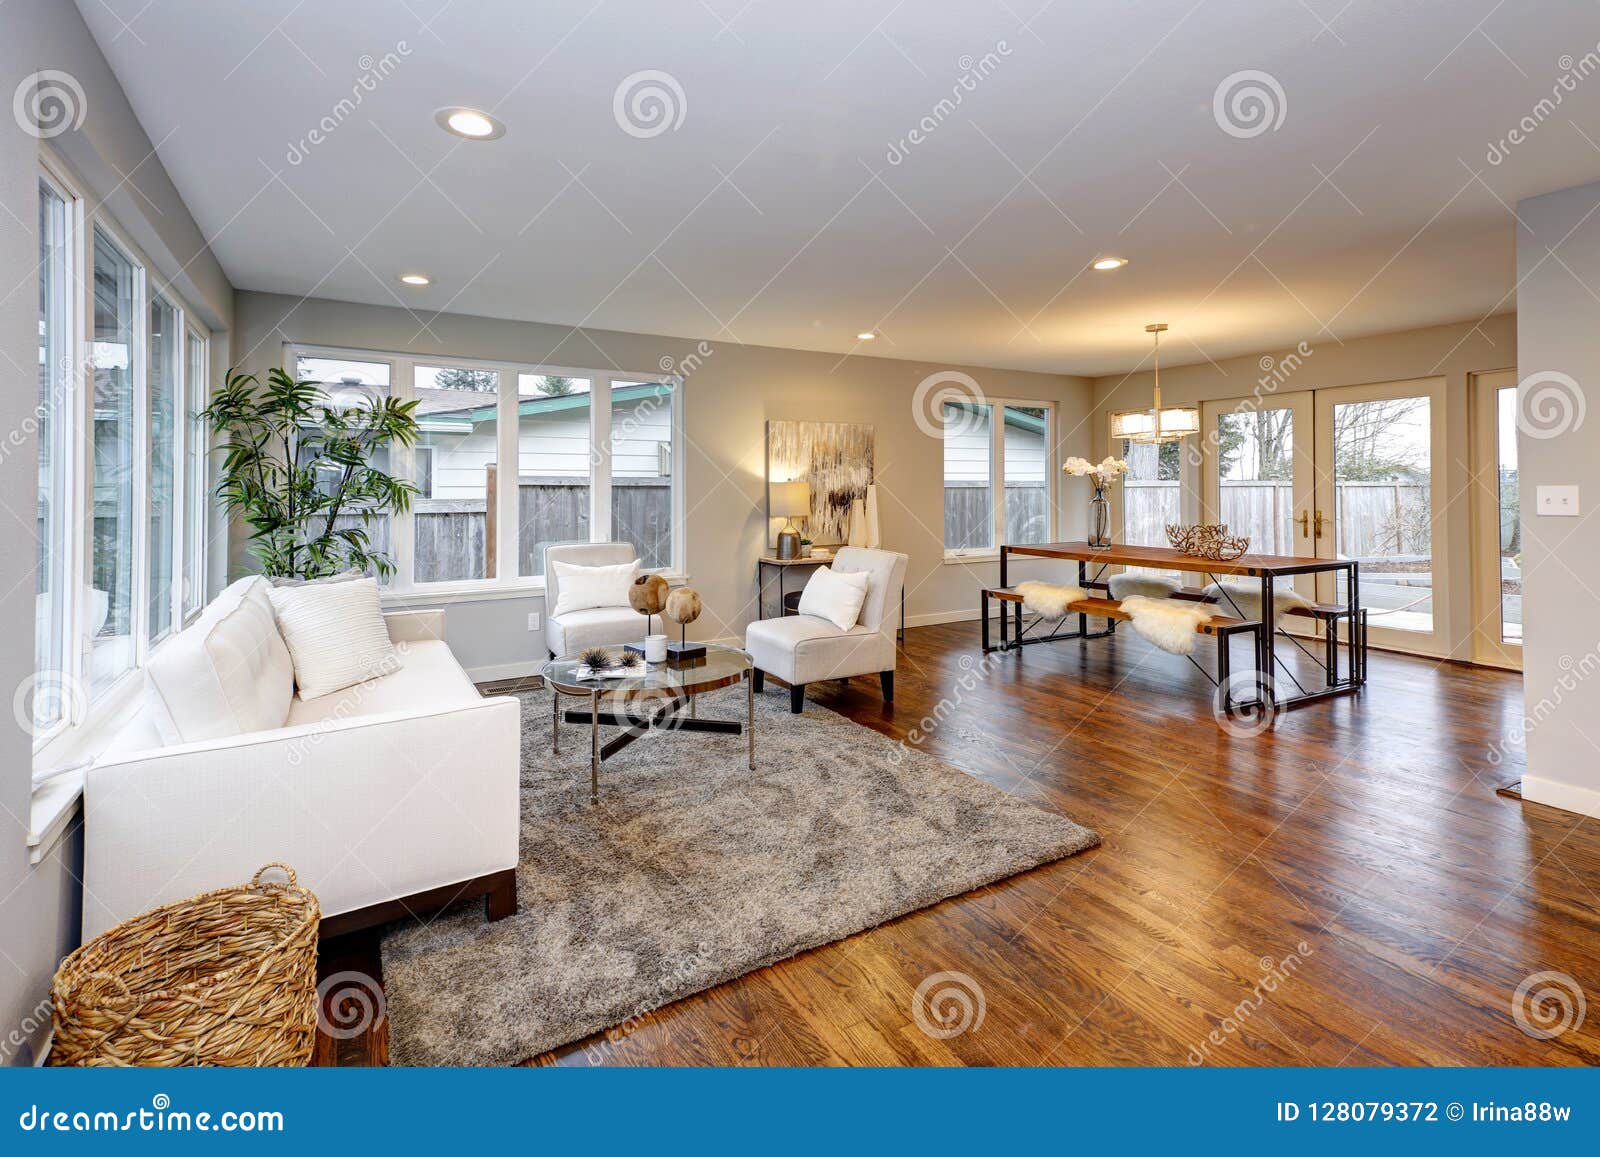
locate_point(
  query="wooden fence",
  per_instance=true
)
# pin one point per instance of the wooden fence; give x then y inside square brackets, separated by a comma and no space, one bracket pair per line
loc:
[969,514]
[453,540]
[1376,519]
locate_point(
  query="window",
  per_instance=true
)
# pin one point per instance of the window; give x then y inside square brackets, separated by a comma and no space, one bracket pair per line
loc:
[161,545]
[115,357]
[196,491]
[55,459]
[641,469]
[347,384]
[554,415]
[1151,494]
[998,475]
[454,467]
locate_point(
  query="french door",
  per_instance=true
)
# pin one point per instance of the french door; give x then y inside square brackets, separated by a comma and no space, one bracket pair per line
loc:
[1496,522]
[1350,472]
[1258,475]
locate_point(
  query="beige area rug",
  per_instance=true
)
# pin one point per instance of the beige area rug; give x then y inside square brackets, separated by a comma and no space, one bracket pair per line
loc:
[693,870]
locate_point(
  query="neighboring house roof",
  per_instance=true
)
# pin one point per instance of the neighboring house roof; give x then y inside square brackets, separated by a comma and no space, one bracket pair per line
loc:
[1014,417]
[441,411]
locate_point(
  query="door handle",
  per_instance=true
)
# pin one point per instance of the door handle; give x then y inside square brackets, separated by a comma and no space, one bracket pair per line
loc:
[1319,524]
[1305,524]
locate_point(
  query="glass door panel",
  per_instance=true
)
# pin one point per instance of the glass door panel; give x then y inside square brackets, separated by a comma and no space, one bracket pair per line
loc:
[1496,521]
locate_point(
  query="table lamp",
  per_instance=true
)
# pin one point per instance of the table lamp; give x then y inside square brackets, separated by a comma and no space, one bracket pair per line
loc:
[789,500]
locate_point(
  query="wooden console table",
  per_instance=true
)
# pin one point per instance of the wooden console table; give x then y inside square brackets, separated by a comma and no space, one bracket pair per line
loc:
[1264,567]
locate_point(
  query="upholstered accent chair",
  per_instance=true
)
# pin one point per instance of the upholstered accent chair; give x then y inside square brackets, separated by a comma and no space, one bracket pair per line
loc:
[801,649]
[598,626]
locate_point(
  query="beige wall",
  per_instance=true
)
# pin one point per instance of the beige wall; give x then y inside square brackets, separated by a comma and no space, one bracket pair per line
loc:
[1558,264]
[728,400]
[1454,352]
[40,904]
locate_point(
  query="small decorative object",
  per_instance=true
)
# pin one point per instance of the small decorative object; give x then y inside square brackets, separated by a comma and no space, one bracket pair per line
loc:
[1102,474]
[601,663]
[1207,540]
[227,977]
[806,548]
[790,500]
[596,658]
[655,648]
[647,595]
[821,552]
[632,662]
[683,607]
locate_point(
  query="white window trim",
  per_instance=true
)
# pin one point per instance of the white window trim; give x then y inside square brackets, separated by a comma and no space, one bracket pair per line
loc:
[89,723]
[403,589]
[997,476]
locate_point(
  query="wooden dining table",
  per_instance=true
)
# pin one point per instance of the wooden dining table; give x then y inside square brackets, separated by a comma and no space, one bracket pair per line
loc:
[1264,568]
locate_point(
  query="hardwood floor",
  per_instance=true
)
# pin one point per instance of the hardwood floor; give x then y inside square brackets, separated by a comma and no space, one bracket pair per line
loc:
[1346,889]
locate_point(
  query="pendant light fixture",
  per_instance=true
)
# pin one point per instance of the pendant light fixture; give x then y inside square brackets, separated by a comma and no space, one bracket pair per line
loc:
[1156,425]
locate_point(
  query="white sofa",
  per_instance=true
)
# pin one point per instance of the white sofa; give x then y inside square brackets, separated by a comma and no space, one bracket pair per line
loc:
[388,798]
[801,649]
[599,626]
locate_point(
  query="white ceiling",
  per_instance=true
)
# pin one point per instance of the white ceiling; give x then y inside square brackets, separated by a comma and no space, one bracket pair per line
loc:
[771,215]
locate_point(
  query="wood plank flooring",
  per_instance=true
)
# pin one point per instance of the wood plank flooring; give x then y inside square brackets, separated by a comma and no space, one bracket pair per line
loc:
[1346,889]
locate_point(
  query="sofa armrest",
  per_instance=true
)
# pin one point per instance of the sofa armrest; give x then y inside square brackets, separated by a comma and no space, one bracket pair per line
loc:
[415,626]
[367,809]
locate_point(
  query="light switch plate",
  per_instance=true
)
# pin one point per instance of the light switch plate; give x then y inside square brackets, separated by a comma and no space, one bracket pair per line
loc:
[1559,501]
[533,620]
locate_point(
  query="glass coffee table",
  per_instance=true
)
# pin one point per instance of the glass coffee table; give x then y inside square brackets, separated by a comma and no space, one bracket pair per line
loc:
[650,701]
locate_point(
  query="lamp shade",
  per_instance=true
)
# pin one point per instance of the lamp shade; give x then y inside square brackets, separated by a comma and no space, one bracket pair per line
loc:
[789,499]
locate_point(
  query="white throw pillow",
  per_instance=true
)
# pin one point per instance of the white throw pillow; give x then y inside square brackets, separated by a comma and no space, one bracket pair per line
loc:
[226,674]
[835,595]
[586,588]
[335,634]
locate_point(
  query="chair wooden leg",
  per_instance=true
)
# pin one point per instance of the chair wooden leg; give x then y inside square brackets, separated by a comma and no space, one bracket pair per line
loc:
[502,898]
[797,698]
[887,679]
[760,679]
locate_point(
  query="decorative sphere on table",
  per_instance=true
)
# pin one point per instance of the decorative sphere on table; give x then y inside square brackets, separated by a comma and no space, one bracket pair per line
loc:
[648,594]
[683,606]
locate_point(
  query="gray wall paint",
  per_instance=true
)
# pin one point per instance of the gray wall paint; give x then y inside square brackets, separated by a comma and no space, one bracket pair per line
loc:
[1558,263]
[39,906]
[728,401]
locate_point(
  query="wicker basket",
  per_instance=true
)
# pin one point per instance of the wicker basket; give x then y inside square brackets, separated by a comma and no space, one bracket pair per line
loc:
[223,978]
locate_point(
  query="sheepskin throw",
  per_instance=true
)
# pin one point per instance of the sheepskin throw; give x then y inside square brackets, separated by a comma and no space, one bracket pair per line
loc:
[1168,624]
[1247,599]
[1049,600]
[1152,586]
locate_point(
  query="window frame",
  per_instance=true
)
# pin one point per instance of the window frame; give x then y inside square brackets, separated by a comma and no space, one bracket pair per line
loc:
[403,588]
[87,714]
[997,474]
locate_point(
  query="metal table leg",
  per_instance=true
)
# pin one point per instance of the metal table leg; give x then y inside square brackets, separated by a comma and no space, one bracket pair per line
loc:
[594,746]
[750,712]
[1269,627]
[555,721]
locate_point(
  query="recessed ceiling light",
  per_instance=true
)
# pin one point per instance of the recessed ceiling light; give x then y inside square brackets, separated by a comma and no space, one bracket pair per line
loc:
[416,279]
[1104,263]
[471,123]
[865,336]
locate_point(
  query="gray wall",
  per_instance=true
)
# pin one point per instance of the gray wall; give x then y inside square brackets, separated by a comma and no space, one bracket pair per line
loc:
[728,402]
[1558,264]
[39,905]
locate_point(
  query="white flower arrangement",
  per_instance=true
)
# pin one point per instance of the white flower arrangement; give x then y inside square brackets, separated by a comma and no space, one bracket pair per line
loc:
[1104,472]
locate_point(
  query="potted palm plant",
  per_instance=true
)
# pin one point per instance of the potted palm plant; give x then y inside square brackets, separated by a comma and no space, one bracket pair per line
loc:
[301,469]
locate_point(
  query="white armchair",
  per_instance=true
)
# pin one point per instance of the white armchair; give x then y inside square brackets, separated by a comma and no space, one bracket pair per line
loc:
[598,626]
[801,649]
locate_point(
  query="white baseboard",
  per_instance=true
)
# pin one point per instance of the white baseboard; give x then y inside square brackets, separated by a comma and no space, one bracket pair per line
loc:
[935,618]
[1567,796]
